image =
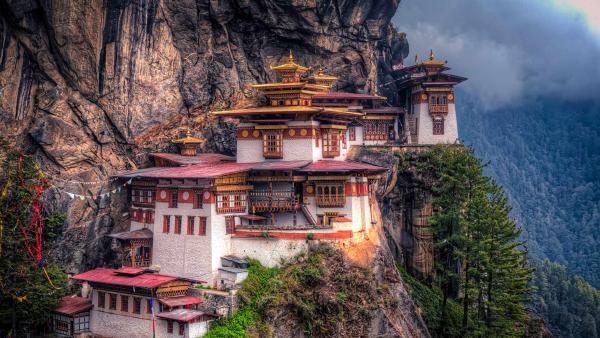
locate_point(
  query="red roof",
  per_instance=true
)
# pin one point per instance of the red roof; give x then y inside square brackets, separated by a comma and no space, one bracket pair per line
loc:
[383,110]
[191,171]
[135,234]
[183,315]
[111,276]
[198,159]
[345,95]
[343,166]
[72,305]
[126,270]
[279,165]
[179,301]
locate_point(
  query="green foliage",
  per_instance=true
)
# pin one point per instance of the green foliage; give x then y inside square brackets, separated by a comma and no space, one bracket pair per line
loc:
[547,156]
[25,291]
[429,301]
[254,293]
[569,304]
[310,236]
[478,257]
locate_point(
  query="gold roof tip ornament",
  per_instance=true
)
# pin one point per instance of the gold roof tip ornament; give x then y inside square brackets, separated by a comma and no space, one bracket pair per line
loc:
[188,139]
[416,58]
[433,61]
[290,65]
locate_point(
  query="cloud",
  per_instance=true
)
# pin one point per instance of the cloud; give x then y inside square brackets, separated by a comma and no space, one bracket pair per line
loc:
[510,50]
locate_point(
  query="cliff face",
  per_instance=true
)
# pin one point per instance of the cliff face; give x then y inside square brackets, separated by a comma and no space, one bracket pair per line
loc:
[89,87]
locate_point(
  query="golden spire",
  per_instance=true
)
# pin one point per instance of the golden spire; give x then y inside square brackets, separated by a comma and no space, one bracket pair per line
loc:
[291,57]
[416,58]
[189,139]
[431,55]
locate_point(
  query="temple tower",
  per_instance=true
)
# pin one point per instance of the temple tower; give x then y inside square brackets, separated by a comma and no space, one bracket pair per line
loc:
[427,94]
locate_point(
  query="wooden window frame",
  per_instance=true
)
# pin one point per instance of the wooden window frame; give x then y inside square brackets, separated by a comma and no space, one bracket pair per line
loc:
[169,326]
[351,134]
[331,143]
[178,220]
[137,305]
[101,299]
[438,126]
[330,195]
[181,329]
[273,144]
[166,224]
[124,303]
[202,226]
[232,202]
[112,301]
[190,225]
[173,198]
[198,202]
[229,225]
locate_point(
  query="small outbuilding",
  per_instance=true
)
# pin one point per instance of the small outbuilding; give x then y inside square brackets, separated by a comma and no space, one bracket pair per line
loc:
[72,316]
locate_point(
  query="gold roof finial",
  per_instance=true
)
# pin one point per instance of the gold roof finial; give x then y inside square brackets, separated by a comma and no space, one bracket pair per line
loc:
[188,133]
[431,55]
[416,58]
[291,57]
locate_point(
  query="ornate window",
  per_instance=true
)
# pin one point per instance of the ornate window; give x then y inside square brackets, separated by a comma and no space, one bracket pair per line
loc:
[169,326]
[438,103]
[331,142]
[438,126]
[377,130]
[81,322]
[231,202]
[331,195]
[273,144]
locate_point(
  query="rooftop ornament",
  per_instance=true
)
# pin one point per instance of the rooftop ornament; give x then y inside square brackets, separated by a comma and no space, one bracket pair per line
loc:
[188,144]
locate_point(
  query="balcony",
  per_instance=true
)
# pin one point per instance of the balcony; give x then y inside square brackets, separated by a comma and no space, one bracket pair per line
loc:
[261,201]
[231,209]
[138,262]
[331,201]
[438,108]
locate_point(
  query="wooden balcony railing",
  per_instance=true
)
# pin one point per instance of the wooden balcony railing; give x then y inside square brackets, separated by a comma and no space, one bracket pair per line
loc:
[273,201]
[438,108]
[139,262]
[335,201]
[231,209]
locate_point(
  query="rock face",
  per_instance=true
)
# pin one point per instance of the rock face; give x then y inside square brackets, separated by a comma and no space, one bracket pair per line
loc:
[89,87]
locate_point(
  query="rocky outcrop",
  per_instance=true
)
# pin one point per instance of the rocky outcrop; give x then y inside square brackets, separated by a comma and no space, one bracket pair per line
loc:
[89,87]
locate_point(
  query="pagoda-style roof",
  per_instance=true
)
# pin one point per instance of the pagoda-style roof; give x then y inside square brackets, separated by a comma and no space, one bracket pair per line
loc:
[350,96]
[197,159]
[284,87]
[268,110]
[341,166]
[188,139]
[290,65]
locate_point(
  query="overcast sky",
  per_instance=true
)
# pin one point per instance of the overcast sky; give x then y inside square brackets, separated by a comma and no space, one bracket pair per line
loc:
[510,50]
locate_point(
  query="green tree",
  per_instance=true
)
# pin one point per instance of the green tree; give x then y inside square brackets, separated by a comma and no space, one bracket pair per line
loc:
[28,290]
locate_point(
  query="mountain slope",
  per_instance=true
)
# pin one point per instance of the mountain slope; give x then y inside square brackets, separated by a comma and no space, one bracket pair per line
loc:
[547,156]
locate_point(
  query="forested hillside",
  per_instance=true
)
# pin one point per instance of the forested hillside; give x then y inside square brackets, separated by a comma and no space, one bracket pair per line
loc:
[547,157]
[570,305]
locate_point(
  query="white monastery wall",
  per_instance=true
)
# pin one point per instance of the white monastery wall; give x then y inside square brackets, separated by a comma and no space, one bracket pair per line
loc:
[425,125]
[269,251]
[182,254]
[195,330]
